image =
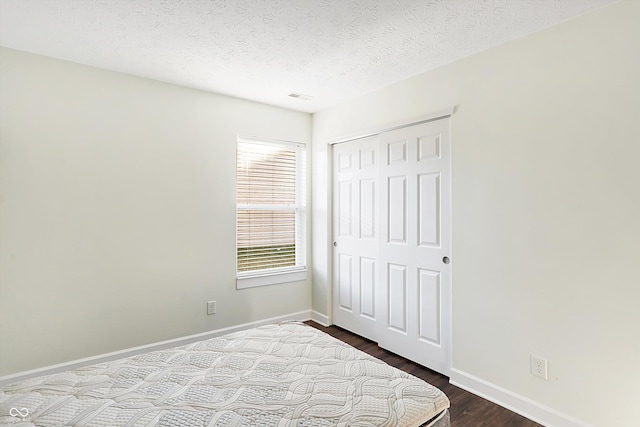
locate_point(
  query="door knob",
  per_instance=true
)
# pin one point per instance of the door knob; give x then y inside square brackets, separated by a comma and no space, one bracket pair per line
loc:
[446,260]
[335,244]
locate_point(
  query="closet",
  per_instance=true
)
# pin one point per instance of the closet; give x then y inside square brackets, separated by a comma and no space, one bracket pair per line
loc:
[391,279]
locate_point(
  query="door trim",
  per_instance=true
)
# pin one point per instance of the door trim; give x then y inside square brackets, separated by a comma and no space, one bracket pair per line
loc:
[436,115]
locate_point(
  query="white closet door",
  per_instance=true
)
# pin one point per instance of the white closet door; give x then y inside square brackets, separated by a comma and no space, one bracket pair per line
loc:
[392,241]
[355,235]
[414,287]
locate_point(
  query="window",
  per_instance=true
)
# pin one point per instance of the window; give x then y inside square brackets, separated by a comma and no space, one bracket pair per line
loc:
[270,213]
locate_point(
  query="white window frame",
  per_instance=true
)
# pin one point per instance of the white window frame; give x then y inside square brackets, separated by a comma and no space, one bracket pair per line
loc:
[273,276]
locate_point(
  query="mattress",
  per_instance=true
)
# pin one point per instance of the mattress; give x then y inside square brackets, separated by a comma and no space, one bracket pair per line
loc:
[277,375]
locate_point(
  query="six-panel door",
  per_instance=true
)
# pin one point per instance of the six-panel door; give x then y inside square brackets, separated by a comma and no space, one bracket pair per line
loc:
[414,290]
[355,223]
[392,231]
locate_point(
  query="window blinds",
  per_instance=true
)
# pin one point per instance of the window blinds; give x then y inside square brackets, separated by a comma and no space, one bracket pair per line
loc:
[270,206]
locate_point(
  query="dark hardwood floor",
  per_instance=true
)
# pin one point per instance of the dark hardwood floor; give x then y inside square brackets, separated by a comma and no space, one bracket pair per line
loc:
[467,409]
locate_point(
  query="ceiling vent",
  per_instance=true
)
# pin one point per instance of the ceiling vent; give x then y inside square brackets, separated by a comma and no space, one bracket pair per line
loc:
[300,96]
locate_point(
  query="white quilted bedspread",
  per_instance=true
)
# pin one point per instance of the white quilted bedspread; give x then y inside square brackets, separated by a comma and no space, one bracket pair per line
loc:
[275,375]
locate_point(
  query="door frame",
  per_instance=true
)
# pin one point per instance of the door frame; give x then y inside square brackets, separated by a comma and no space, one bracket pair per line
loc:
[433,116]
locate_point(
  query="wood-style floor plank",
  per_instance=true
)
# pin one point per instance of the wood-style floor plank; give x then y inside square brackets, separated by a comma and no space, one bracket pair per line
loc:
[467,409]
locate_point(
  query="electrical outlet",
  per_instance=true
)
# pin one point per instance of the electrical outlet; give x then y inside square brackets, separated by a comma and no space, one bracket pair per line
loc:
[539,367]
[211,307]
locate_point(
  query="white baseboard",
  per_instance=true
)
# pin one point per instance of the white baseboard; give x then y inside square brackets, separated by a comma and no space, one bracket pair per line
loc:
[319,318]
[54,369]
[524,406]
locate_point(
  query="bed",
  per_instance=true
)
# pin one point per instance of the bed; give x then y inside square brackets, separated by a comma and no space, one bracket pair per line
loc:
[287,374]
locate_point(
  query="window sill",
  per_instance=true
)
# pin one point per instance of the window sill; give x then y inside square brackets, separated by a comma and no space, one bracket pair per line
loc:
[265,279]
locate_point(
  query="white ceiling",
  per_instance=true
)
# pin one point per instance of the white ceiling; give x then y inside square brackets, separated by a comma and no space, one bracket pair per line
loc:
[265,49]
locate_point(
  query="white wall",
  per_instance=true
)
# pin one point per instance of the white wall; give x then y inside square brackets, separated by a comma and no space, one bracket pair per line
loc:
[546,208]
[117,211]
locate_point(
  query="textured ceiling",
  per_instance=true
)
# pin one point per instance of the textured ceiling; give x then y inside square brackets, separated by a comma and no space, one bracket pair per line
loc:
[263,50]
